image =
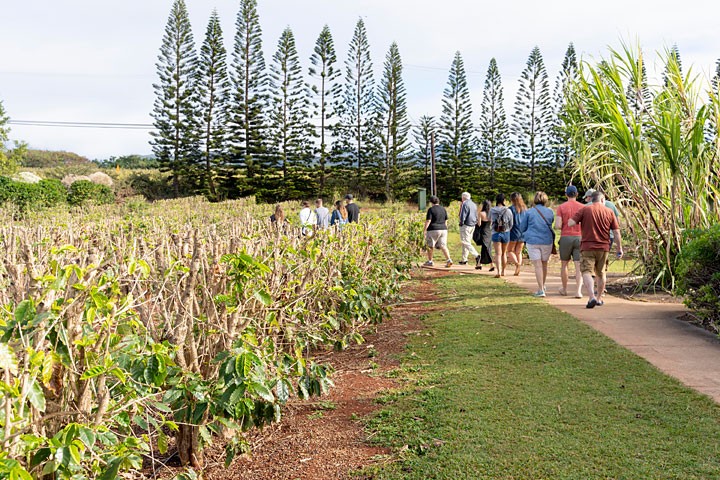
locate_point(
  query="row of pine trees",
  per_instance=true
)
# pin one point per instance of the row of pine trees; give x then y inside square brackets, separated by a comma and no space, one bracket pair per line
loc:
[228,129]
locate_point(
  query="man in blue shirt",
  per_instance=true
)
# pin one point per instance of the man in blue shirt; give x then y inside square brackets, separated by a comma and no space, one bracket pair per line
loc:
[468,220]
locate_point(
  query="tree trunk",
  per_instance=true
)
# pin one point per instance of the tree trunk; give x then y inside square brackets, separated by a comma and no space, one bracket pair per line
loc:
[188,445]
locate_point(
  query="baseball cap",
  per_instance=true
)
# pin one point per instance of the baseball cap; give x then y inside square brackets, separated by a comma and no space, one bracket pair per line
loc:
[348,196]
[571,191]
[589,193]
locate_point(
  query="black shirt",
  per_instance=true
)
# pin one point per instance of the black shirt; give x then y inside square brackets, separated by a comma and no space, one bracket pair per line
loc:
[353,212]
[438,218]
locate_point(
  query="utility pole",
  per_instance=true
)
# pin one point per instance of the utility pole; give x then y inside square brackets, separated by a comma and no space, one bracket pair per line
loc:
[433,180]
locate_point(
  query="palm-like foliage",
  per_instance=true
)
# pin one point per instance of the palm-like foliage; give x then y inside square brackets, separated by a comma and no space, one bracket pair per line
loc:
[661,170]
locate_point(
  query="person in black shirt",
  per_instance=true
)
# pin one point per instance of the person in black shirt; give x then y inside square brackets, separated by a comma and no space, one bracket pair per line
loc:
[353,210]
[435,232]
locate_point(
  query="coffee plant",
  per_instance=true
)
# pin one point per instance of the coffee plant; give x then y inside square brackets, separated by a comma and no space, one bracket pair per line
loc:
[131,333]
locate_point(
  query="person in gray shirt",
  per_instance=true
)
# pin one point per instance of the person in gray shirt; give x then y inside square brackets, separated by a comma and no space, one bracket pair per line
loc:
[323,215]
[468,220]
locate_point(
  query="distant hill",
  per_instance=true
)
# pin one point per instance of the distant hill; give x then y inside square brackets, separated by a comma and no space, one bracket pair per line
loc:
[49,159]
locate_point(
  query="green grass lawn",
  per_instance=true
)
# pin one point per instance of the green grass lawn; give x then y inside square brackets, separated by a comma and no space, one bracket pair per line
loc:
[501,385]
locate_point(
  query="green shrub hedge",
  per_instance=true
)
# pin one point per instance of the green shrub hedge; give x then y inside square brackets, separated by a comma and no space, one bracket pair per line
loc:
[698,273]
[50,193]
[85,192]
[31,196]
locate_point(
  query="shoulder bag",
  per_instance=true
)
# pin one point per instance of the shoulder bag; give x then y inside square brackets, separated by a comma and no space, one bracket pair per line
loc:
[554,249]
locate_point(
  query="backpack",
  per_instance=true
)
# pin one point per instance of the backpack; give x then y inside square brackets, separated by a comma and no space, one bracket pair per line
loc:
[500,222]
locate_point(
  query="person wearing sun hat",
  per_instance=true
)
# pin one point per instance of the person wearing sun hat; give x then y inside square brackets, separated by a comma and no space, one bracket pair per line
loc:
[569,244]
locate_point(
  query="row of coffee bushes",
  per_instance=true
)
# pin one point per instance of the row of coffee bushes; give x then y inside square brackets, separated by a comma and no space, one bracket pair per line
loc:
[129,335]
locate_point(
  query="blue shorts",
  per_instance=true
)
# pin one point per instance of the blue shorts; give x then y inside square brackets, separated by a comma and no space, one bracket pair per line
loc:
[501,237]
[516,235]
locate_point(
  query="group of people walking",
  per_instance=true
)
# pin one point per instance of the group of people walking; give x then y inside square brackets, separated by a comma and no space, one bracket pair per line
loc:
[587,232]
[320,217]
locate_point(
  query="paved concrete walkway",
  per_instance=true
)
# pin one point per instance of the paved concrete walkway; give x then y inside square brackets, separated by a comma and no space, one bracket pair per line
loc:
[651,330]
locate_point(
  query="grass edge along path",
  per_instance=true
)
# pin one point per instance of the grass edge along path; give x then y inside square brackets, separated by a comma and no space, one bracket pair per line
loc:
[501,385]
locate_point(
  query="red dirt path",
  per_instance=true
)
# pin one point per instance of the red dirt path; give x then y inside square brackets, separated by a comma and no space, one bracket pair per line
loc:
[324,439]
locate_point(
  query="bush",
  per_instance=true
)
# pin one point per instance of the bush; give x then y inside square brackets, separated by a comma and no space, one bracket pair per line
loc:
[32,196]
[698,273]
[52,192]
[84,192]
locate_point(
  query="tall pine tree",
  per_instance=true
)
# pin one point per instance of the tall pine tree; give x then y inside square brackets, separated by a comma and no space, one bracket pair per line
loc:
[175,111]
[357,144]
[394,124]
[326,92]
[4,129]
[290,127]
[249,79]
[674,54]
[213,88]
[494,144]
[711,130]
[533,115]
[423,134]
[456,160]
[6,165]
[560,133]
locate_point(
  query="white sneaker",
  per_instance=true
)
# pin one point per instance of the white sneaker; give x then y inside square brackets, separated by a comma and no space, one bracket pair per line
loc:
[539,293]
[429,263]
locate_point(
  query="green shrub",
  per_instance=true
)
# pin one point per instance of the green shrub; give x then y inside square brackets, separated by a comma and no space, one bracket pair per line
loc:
[5,189]
[26,196]
[52,192]
[698,271]
[85,192]
[32,196]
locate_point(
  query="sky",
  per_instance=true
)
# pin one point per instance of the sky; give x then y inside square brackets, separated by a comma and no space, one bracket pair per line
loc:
[94,61]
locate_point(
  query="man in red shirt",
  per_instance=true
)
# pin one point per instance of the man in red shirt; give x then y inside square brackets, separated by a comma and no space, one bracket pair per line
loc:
[596,221]
[569,244]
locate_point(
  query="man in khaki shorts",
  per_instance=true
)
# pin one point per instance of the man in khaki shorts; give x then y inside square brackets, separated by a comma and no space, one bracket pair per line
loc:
[569,245]
[435,231]
[596,221]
